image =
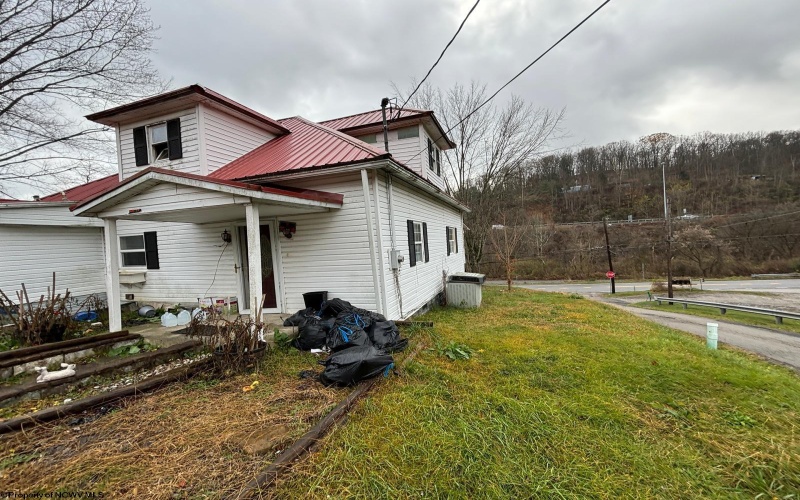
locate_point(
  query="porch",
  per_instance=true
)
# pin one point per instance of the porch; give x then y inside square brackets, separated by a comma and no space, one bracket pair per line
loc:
[254,211]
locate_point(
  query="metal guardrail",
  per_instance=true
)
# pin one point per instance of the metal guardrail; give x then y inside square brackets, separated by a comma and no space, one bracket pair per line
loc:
[723,308]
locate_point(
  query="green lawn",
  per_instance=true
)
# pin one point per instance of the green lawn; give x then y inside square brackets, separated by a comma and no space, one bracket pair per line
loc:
[564,397]
[742,317]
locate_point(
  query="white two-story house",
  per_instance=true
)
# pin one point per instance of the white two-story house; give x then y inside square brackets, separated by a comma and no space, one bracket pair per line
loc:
[214,199]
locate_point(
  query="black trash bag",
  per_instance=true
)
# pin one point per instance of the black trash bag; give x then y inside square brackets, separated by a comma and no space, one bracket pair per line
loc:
[348,329]
[351,364]
[335,306]
[385,335]
[312,334]
[297,318]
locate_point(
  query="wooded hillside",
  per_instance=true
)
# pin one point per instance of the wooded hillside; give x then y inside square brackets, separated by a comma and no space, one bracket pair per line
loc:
[734,200]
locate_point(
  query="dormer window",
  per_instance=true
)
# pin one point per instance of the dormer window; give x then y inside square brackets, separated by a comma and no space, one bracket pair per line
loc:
[159,149]
[158,142]
[434,158]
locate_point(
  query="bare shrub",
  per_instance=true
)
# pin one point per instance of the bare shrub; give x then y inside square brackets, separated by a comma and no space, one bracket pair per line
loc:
[235,344]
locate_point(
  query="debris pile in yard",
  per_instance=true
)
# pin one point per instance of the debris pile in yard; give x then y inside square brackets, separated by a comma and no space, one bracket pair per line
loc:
[360,341]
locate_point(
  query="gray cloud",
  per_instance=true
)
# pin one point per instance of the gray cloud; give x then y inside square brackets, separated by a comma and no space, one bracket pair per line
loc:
[680,66]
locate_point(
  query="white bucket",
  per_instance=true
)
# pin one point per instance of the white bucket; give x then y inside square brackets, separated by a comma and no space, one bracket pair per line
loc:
[712,335]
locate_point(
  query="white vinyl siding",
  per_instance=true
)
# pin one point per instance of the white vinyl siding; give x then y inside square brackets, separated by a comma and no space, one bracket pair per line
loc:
[433,173]
[44,214]
[421,283]
[188,256]
[227,137]
[30,255]
[330,250]
[189,144]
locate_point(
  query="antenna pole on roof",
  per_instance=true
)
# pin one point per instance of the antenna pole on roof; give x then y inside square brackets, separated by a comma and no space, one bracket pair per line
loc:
[384,103]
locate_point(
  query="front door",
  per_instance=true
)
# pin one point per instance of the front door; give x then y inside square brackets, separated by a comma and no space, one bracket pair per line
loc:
[267,267]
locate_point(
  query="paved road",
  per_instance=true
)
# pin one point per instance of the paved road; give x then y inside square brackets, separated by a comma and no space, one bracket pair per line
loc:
[783,348]
[778,286]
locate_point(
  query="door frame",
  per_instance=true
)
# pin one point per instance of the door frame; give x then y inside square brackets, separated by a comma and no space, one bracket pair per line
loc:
[277,268]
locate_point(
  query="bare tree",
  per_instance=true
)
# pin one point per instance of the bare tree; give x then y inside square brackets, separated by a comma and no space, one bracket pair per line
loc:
[59,58]
[493,146]
[506,238]
[699,245]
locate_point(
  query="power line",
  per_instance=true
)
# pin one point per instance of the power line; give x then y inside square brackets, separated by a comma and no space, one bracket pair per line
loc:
[526,68]
[757,220]
[437,60]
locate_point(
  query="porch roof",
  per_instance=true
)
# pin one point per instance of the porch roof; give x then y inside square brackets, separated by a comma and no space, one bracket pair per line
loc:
[170,196]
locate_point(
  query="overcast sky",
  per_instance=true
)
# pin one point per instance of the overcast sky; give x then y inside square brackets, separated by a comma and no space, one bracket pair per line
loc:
[637,67]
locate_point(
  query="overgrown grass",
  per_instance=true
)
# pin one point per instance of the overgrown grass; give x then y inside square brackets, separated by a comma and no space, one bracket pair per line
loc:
[565,398]
[742,317]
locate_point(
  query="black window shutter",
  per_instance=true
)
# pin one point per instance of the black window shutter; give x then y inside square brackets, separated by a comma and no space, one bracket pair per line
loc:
[412,255]
[425,239]
[455,238]
[430,154]
[174,139]
[438,163]
[151,249]
[140,146]
[447,238]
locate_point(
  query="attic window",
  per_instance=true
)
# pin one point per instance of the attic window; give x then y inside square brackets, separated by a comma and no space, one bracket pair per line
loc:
[407,133]
[157,142]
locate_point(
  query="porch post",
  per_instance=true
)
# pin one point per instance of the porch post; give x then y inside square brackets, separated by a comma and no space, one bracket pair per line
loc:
[254,259]
[112,275]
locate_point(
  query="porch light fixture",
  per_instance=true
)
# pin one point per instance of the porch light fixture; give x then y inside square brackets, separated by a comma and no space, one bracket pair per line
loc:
[287,228]
[226,236]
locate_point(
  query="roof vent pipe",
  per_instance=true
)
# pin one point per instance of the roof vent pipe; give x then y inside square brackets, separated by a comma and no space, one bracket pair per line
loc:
[36,197]
[384,103]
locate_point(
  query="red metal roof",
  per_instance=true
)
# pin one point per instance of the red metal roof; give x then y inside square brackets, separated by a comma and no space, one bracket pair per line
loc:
[309,145]
[85,191]
[8,200]
[101,116]
[305,194]
[374,117]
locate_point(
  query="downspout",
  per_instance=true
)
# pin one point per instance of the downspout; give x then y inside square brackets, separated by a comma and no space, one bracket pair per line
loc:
[381,252]
[371,239]
[384,103]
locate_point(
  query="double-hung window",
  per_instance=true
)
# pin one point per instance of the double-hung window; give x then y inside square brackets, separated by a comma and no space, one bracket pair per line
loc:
[132,250]
[452,240]
[139,250]
[417,242]
[434,158]
[157,142]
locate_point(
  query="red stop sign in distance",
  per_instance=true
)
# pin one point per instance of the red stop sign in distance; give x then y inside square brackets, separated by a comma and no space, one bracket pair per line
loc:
[610,275]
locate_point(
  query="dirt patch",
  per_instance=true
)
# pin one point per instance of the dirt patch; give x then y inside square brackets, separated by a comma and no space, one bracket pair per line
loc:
[174,443]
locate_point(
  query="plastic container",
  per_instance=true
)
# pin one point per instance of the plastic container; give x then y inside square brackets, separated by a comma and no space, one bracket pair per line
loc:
[184,317]
[314,300]
[86,316]
[169,320]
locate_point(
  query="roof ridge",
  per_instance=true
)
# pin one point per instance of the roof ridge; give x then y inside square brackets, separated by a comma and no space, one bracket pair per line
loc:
[368,112]
[351,140]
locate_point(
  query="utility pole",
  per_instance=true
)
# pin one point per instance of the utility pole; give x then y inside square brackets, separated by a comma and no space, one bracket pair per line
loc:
[669,256]
[608,251]
[668,224]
